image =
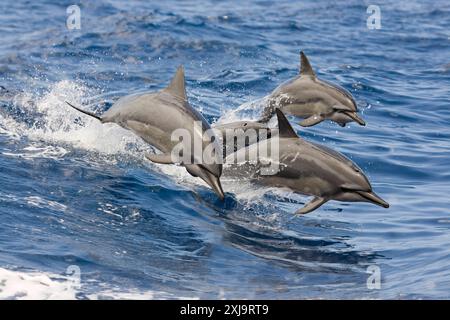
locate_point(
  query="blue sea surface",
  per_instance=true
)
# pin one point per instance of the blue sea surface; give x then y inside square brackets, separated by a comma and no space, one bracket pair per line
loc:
[74,192]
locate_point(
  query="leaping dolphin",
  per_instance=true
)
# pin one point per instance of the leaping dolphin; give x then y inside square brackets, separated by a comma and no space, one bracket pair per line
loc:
[306,168]
[154,116]
[315,100]
[306,97]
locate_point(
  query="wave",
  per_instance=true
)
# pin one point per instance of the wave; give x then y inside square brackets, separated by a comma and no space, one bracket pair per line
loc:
[39,285]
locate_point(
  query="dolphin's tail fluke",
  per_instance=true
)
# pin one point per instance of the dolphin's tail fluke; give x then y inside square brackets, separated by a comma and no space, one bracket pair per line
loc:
[85,112]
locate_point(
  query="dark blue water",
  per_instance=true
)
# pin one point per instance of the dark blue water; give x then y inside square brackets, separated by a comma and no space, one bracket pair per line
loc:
[74,192]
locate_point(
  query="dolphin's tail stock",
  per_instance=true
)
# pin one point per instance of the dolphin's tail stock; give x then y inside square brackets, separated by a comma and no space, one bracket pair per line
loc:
[85,112]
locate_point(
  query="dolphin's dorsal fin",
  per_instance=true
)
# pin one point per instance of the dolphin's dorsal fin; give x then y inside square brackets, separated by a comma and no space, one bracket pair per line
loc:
[177,86]
[305,66]
[284,127]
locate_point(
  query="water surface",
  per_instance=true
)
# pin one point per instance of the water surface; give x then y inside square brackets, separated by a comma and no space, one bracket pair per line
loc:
[75,192]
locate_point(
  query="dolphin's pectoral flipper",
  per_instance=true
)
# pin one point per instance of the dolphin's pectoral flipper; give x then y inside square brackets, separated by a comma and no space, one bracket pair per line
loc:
[312,205]
[159,158]
[311,121]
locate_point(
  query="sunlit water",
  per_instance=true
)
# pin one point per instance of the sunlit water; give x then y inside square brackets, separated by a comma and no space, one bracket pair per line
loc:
[74,192]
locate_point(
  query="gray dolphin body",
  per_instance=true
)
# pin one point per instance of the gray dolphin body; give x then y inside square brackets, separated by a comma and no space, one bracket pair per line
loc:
[307,168]
[154,116]
[315,100]
[239,131]
[307,97]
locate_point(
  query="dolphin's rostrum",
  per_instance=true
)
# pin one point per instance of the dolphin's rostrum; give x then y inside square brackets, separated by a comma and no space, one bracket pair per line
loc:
[154,116]
[307,97]
[307,168]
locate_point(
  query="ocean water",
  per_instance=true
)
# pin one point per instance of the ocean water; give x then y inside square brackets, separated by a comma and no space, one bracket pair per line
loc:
[83,214]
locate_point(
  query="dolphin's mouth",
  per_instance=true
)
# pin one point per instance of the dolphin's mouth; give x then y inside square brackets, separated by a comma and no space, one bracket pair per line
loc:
[373,197]
[355,117]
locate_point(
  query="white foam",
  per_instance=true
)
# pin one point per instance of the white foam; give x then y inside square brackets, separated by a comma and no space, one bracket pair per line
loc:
[58,123]
[135,294]
[248,111]
[39,151]
[5,127]
[39,202]
[35,201]
[37,285]
[34,286]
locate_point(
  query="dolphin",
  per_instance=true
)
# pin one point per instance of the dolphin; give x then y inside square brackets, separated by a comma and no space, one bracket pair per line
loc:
[306,97]
[315,100]
[154,116]
[242,134]
[306,168]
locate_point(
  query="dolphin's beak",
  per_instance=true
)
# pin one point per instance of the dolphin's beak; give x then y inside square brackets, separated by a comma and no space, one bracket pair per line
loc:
[355,117]
[214,182]
[374,198]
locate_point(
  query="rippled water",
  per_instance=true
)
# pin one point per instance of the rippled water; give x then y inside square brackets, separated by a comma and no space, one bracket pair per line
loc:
[74,192]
